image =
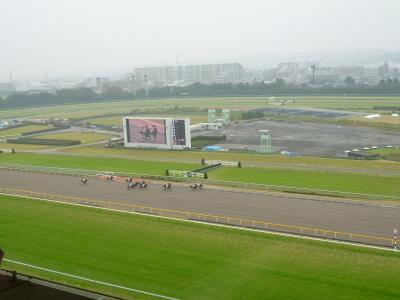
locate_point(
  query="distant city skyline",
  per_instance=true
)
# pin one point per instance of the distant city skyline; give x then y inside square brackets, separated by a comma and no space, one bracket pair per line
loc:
[67,38]
[257,62]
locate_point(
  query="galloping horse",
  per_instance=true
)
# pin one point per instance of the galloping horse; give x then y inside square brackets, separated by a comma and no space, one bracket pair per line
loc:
[131,186]
[167,186]
[196,186]
[84,180]
[143,185]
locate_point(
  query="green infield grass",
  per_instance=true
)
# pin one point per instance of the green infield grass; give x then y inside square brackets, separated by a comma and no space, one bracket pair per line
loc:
[342,182]
[106,121]
[187,260]
[253,159]
[96,163]
[344,102]
[88,110]
[84,137]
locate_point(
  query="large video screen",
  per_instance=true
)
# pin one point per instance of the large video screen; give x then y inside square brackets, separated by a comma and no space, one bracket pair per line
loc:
[146,131]
[178,132]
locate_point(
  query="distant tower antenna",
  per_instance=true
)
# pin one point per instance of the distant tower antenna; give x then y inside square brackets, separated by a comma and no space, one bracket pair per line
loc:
[99,85]
[133,85]
[313,73]
[11,76]
[177,72]
[45,74]
[146,86]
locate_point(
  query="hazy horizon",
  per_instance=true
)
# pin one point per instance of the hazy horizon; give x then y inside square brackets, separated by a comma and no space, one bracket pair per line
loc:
[60,38]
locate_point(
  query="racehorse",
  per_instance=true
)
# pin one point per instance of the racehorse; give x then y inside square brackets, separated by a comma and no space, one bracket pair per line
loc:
[84,180]
[167,186]
[131,186]
[129,179]
[196,186]
[107,177]
[143,185]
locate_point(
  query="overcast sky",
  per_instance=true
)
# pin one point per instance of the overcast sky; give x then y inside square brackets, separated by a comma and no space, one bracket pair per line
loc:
[64,37]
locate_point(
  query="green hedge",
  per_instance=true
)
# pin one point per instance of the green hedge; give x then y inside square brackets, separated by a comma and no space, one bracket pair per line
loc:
[253,114]
[50,142]
[201,140]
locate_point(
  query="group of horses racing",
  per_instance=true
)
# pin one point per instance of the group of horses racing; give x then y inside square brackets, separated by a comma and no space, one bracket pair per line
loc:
[136,184]
[142,185]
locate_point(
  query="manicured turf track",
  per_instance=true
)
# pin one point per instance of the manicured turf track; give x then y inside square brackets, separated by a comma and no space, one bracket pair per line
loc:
[96,163]
[334,181]
[191,261]
[352,217]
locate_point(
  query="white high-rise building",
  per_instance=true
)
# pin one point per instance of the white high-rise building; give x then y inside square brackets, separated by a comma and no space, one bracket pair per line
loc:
[189,74]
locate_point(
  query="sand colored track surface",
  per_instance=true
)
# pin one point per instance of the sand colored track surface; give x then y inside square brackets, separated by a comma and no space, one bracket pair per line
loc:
[353,217]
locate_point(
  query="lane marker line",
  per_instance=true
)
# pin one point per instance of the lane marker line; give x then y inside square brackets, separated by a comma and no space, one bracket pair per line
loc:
[91,280]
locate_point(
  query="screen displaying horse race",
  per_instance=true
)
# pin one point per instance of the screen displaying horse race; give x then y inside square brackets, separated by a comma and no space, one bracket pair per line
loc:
[162,133]
[146,131]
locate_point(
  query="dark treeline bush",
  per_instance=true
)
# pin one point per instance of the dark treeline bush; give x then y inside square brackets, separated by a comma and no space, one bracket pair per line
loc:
[252,114]
[65,96]
[50,142]
[204,140]
[279,87]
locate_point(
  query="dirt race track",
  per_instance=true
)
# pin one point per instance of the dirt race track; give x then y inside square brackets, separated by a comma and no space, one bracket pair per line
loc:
[352,217]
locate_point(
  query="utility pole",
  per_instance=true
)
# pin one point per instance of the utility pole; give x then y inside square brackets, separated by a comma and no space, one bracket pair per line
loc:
[313,73]
[146,87]
[133,85]
[11,76]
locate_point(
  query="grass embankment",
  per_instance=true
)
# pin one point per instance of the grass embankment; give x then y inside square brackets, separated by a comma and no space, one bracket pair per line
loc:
[392,154]
[386,151]
[24,147]
[187,260]
[20,130]
[334,181]
[202,141]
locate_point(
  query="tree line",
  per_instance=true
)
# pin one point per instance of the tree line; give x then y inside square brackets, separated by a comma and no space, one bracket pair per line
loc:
[278,87]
